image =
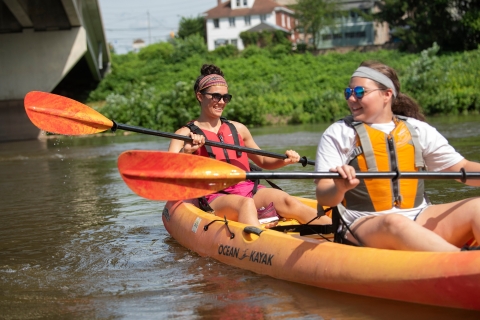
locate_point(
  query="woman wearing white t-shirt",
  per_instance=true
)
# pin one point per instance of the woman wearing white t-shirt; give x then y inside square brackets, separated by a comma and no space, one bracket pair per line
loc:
[386,132]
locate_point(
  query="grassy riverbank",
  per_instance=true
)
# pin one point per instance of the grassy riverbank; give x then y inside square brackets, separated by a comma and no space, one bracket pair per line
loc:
[153,88]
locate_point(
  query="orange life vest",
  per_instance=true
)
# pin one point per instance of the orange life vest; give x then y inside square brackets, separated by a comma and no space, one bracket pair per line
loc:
[376,151]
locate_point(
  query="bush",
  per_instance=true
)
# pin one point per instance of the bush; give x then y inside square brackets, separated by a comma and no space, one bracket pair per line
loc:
[252,51]
[269,83]
[249,38]
[188,47]
[161,50]
[146,107]
[444,84]
[281,50]
[228,51]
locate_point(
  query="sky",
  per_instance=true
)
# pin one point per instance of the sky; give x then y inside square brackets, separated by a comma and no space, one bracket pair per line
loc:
[150,20]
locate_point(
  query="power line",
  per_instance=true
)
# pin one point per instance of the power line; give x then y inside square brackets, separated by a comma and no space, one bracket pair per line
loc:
[139,29]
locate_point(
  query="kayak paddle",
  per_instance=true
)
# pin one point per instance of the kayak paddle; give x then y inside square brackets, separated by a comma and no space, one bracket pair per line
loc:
[159,175]
[58,114]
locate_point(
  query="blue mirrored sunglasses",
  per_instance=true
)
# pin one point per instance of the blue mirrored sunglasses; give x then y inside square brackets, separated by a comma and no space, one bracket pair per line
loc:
[358,92]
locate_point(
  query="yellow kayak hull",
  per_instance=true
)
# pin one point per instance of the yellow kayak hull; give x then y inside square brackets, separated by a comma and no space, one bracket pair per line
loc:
[441,279]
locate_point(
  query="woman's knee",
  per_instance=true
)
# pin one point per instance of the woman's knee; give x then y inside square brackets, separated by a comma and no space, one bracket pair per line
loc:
[246,204]
[395,223]
[285,201]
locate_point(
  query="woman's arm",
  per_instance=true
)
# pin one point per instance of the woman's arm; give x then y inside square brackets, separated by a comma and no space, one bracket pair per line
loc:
[180,146]
[331,192]
[468,166]
[262,161]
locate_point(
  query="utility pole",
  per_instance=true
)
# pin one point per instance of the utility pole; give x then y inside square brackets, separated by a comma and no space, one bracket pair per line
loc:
[149,35]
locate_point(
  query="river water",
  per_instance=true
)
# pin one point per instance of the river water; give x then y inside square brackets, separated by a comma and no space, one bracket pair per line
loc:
[75,242]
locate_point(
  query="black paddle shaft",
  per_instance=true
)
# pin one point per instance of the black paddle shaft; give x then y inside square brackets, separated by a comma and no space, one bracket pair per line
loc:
[303,160]
[462,175]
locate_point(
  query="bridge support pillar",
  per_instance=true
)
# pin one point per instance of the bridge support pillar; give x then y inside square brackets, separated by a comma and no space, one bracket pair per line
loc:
[14,122]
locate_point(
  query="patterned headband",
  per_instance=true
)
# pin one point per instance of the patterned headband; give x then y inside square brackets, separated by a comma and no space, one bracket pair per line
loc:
[369,73]
[212,80]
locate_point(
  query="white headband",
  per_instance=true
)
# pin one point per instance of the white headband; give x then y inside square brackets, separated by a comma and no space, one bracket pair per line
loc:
[369,73]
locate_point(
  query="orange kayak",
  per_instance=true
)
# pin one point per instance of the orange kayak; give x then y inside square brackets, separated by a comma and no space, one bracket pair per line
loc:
[448,279]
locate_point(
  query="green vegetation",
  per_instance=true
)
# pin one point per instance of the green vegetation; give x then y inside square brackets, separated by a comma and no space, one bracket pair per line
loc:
[265,38]
[191,26]
[453,24]
[154,88]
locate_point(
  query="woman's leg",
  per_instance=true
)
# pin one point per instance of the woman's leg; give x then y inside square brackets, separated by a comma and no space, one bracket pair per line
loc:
[237,208]
[287,206]
[394,231]
[456,222]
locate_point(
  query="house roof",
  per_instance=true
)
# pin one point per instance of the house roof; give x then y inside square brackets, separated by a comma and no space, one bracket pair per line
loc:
[267,26]
[224,10]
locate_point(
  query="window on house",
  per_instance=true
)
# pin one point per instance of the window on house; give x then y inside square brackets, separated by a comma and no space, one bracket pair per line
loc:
[263,17]
[245,2]
[361,34]
[231,21]
[355,34]
[216,23]
[283,20]
[327,37]
[238,3]
[288,22]
[247,21]
[220,42]
[234,42]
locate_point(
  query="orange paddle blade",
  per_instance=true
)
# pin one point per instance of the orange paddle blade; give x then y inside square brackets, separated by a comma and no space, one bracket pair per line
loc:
[158,175]
[57,114]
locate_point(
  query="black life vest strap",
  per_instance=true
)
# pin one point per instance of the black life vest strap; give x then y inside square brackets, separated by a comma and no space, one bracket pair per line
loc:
[204,205]
[195,129]
[339,236]
[254,167]
[234,132]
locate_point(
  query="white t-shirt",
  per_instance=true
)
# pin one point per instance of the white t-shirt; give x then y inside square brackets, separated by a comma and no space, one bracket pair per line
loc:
[338,142]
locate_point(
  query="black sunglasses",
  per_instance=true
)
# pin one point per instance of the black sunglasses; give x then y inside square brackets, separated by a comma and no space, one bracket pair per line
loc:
[358,92]
[217,97]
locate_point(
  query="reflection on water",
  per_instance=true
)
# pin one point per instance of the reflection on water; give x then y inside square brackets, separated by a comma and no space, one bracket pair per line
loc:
[75,242]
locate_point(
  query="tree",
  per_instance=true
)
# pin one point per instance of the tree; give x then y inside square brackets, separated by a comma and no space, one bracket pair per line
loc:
[314,15]
[190,26]
[453,24]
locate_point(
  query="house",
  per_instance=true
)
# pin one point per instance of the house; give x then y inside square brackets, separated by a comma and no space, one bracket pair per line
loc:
[228,19]
[138,44]
[352,30]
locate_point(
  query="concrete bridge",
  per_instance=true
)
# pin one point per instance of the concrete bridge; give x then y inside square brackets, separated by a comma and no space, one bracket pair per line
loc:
[54,46]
